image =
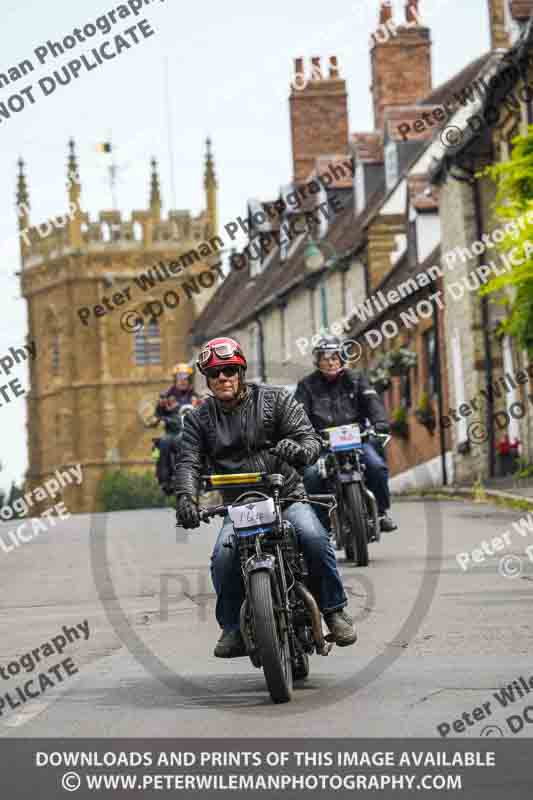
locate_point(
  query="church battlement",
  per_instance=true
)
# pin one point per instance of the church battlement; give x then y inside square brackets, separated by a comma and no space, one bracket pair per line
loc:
[146,229]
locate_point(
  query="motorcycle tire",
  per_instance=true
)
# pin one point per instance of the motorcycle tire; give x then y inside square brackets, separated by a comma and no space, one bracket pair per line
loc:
[356,546]
[275,655]
[300,667]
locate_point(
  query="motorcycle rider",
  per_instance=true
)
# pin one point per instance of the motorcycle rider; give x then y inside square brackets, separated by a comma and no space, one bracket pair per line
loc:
[168,408]
[252,428]
[333,395]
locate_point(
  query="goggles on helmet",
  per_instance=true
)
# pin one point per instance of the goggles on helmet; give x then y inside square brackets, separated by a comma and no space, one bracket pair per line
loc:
[223,350]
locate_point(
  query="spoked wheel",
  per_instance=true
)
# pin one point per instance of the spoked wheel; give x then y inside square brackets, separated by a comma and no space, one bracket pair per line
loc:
[300,667]
[274,649]
[355,512]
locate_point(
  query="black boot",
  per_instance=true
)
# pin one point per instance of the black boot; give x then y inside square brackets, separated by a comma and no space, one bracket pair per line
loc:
[386,522]
[230,645]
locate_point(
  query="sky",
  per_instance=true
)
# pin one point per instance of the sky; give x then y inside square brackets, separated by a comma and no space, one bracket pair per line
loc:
[229,67]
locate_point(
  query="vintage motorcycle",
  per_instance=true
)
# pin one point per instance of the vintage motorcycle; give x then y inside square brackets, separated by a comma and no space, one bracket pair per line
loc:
[173,427]
[280,621]
[355,520]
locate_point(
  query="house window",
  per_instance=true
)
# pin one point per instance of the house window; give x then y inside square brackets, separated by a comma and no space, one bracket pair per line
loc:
[284,241]
[359,185]
[55,353]
[430,353]
[148,345]
[391,164]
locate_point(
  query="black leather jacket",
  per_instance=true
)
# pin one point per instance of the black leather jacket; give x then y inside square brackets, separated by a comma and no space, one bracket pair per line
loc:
[349,398]
[266,415]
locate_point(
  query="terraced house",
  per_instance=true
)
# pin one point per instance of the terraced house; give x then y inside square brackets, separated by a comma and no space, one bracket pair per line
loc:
[378,269]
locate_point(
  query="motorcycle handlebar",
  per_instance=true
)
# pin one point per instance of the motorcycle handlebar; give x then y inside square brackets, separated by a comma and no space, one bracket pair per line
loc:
[212,511]
[221,511]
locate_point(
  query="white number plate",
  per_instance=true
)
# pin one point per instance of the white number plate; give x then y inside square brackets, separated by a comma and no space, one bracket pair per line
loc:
[253,515]
[346,437]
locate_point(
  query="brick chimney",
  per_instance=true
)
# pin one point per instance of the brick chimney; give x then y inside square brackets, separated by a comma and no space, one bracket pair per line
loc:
[400,61]
[521,10]
[499,35]
[319,115]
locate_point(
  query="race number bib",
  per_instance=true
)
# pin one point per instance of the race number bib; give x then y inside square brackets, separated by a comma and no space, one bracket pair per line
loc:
[253,515]
[346,437]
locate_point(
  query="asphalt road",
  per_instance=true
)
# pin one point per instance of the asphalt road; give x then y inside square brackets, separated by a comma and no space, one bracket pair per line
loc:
[434,641]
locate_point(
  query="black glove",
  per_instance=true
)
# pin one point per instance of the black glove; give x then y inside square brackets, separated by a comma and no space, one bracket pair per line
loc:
[291,452]
[187,512]
[382,427]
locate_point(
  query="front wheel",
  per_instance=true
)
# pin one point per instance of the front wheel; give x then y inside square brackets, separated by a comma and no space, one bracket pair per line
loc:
[355,511]
[273,646]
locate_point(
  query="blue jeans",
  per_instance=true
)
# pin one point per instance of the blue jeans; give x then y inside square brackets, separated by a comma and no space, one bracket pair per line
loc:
[376,476]
[324,580]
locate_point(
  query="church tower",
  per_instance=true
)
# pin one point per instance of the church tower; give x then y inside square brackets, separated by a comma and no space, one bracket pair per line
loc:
[139,285]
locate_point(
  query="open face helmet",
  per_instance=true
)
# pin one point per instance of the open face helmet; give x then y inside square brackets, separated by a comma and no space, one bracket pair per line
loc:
[221,352]
[326,346]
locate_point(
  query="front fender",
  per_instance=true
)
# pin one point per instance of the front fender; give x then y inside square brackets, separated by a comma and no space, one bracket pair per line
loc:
[266,563]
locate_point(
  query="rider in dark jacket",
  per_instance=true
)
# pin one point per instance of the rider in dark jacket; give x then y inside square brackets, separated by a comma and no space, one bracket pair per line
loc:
[236,430]
[168,410]
[332,396]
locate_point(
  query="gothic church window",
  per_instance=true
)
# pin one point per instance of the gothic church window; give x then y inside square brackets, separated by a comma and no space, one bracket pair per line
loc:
[148,344]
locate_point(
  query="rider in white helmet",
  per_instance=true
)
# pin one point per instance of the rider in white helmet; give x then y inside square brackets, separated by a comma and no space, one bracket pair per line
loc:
[333,395]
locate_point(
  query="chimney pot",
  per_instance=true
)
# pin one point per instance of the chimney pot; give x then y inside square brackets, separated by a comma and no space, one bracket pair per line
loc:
[298,66]
[333,68]
[385,12]
[316,72]
[412,14]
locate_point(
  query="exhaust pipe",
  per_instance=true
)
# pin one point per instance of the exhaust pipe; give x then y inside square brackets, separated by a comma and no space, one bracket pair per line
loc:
[322,647]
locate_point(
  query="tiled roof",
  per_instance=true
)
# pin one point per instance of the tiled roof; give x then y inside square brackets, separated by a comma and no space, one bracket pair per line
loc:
[240,298]
[445,92]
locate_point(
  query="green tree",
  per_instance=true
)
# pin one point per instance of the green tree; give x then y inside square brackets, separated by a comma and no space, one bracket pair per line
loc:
[122,490]
[514,200]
